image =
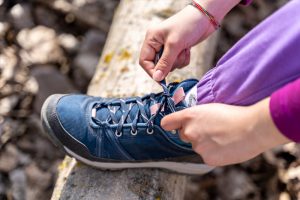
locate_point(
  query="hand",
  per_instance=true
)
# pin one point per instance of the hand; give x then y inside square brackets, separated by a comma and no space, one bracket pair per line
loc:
[224,134]
[178,34]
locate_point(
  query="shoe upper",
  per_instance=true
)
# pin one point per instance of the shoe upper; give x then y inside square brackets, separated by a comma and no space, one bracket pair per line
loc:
[124,129]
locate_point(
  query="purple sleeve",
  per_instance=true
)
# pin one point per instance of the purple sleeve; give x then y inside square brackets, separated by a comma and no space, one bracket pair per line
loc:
[246,2]
[285,110]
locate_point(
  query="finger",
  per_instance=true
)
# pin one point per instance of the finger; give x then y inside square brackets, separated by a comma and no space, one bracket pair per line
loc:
[183,59]
[146,59]
[166,62]
[183,137]
[148,52]
[172,121]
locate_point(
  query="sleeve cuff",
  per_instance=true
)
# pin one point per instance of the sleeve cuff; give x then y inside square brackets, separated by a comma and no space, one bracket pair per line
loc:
[285,110]
[246,2]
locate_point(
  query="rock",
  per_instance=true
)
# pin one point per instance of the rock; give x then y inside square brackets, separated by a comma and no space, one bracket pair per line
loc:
[84,183]
[201,186]
[68,42]
[50,81]
[18,180]
[20,16]
[37,182]
[2,9]
[86,61]
[234,24]
[9,158]
[284,196]
[3,29]
[39,148]
[93,42]
[283,156]
[86,64]
[9,129]
[94,13]
[292,173]
[38,177]
[46,17]
[93,10]
[292,148]
[291,177]
[2,187]
[8,64]
[8,103]
[236,184]
[40,46]
[31,86]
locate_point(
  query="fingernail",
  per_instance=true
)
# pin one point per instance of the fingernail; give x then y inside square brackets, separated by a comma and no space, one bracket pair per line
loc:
[158,75]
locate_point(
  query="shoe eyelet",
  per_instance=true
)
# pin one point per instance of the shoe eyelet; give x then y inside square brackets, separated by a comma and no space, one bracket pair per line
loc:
[118,134]
[150,132]
[133,132]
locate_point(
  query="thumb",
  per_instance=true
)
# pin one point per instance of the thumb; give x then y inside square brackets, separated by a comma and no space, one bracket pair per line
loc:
[165,63]
[172,121]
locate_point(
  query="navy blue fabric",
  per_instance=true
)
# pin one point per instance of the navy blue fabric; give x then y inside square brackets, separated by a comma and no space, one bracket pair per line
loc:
[74,113]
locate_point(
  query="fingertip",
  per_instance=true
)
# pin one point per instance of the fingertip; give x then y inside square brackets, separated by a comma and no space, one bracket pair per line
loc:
[165,123]
[184,139]
[158,75]
[170,122]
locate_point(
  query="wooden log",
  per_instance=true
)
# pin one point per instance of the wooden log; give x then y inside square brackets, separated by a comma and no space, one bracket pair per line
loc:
[119,74]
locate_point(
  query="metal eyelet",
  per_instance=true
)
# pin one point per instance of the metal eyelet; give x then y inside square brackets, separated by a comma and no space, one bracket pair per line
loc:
[118,134]
[150,131]
[174,132]
[133,132]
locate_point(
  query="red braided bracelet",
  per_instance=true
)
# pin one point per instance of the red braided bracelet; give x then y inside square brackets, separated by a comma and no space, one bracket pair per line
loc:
[211,18]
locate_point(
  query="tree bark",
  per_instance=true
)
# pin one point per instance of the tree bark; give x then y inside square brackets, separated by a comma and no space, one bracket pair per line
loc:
[117,75]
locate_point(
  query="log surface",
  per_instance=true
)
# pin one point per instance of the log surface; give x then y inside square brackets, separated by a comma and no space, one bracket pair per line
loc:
[118,74]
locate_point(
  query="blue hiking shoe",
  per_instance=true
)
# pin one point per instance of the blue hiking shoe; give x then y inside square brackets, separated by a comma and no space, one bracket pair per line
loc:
[111,133]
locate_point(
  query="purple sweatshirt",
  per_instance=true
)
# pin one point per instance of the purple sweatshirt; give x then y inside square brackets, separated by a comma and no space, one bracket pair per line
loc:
[246,2]
[285,107]
[285,110]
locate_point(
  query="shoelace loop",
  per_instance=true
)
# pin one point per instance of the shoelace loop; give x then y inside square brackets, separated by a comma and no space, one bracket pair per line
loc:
[126,106]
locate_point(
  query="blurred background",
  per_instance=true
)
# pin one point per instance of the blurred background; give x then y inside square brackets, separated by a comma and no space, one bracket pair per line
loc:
[53,46]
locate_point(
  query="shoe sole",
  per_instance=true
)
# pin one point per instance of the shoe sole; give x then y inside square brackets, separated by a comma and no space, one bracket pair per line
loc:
[179,167]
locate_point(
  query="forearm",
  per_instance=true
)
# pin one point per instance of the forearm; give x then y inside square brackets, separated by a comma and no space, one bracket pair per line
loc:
[263,127]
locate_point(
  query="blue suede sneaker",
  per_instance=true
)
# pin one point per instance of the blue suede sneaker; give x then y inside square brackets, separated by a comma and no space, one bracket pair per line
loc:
[117,133]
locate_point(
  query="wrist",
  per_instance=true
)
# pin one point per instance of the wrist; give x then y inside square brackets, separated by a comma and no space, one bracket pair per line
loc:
[213,12]
[218,8]
[264,129]
[201,26]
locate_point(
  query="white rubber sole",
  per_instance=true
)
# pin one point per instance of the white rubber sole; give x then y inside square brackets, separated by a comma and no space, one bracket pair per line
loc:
[185,168]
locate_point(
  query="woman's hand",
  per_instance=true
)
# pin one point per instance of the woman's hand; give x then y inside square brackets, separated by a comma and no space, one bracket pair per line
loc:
[224,134]
[178,34]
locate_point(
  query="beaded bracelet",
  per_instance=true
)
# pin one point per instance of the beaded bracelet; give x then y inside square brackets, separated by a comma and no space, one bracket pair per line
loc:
[211,18]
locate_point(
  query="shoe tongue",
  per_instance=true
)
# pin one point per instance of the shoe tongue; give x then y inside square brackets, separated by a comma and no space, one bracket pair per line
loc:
[191,97]
[186,86]
[102,114]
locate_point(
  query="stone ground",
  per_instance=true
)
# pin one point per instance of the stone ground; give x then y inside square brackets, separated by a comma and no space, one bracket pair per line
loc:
[53,47]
